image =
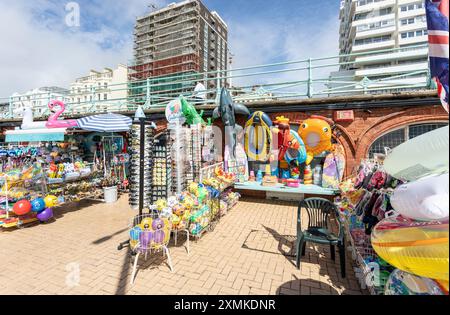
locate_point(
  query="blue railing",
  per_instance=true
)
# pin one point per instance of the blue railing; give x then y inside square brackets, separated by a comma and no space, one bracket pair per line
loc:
[309,78]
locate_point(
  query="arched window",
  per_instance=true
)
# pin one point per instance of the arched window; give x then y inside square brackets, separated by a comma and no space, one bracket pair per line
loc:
[398,136]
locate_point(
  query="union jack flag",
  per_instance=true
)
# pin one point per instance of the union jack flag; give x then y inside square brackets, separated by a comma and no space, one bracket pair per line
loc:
[437,20]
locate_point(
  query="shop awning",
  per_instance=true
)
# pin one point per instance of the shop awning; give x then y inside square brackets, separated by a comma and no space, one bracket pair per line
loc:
[35,135]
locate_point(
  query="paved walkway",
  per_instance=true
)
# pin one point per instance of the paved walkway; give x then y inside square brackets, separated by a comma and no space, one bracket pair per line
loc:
[247,253]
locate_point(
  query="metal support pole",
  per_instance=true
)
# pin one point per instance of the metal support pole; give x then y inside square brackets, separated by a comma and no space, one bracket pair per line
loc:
[11,111]
[218,88]
[310,79]
[148,97]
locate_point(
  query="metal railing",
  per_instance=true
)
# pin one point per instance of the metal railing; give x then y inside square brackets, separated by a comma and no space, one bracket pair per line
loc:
[308,78]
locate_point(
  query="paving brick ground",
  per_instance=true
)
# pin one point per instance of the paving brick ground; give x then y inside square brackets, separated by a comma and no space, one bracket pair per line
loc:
[249,252]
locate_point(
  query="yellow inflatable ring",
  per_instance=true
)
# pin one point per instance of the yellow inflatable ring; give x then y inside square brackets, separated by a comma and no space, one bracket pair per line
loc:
[416,247]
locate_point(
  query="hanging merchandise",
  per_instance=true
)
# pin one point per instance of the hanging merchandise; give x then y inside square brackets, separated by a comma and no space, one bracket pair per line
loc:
[179,156]
[239,166]
[419,157]
[258,137]
[316,134]
[425,199]
[227,111]
[190,113]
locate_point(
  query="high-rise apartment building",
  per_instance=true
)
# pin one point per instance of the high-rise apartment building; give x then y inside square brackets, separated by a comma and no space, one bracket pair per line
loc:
[180,42]
[372,25]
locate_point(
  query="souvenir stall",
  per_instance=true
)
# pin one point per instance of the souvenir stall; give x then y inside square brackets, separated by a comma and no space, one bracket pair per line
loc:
[48,164]
[396,216]
[175,182]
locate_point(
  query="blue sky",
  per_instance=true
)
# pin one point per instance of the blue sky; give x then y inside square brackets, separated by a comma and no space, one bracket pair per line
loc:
[42,46]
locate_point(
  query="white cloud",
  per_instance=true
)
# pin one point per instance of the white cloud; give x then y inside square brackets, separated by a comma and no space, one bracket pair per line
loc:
[49,53]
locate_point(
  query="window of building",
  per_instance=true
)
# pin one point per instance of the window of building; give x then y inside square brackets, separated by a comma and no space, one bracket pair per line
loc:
[414,34]
[399,136]
[410,7]
[105,97]
[99,97]
[371,40]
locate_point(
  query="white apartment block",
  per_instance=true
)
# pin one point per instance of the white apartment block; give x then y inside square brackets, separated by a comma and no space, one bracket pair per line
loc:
[99,91]
[371,25]
[38,99]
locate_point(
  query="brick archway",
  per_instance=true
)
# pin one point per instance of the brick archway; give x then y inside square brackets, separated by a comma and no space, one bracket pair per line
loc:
[395,121]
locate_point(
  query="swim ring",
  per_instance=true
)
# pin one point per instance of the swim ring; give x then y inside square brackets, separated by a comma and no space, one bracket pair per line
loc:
[257,137]
[420,248]
[425,199]
[419,157]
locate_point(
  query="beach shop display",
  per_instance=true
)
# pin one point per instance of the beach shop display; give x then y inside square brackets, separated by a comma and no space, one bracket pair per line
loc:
[316,133]
[227,111]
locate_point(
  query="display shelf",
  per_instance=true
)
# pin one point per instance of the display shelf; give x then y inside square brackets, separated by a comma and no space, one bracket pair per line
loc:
[303,189]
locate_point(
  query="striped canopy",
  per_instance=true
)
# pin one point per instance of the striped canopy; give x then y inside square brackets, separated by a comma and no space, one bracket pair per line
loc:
[106,123]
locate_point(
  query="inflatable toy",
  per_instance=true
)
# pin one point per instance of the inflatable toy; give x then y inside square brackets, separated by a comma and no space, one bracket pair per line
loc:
[227,110]
[334,167]
[22,207]
[425,199]
[146,224]
[54,121]
[280,132]
[38,205]
[28,121]
[420,248]
[145,239]
[316,134]
[50,201]
[403,283]
[45,215]
[295,148]
[190,113]
[258,137]
[420,156]
[135,232]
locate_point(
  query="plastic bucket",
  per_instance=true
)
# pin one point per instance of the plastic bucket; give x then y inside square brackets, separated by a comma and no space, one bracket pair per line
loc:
[110,194]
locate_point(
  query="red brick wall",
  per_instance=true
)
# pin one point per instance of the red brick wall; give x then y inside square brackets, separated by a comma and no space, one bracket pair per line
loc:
[357,136]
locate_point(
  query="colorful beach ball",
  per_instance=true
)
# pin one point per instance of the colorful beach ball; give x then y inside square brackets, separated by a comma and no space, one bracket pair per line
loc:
[22,207]
[38,205]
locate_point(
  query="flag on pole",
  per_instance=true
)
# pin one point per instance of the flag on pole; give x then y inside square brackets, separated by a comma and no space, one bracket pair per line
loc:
[437,20]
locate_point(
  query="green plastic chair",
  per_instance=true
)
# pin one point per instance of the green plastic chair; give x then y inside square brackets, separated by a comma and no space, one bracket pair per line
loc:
[318,210]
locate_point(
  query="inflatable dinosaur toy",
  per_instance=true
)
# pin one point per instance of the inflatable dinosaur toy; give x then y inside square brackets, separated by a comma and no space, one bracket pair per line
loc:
[227,111]
[190,113]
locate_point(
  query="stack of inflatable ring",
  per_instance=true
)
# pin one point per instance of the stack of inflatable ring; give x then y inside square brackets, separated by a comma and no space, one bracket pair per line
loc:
[417,240]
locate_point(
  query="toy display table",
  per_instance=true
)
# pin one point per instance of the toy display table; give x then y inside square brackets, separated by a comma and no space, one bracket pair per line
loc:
[282,192]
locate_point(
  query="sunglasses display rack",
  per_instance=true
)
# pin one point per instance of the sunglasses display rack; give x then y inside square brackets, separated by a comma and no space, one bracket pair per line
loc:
[162,170]
[179,158]
[141,165]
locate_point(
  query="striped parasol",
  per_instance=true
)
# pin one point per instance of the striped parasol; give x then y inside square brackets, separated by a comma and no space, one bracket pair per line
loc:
[106,123]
